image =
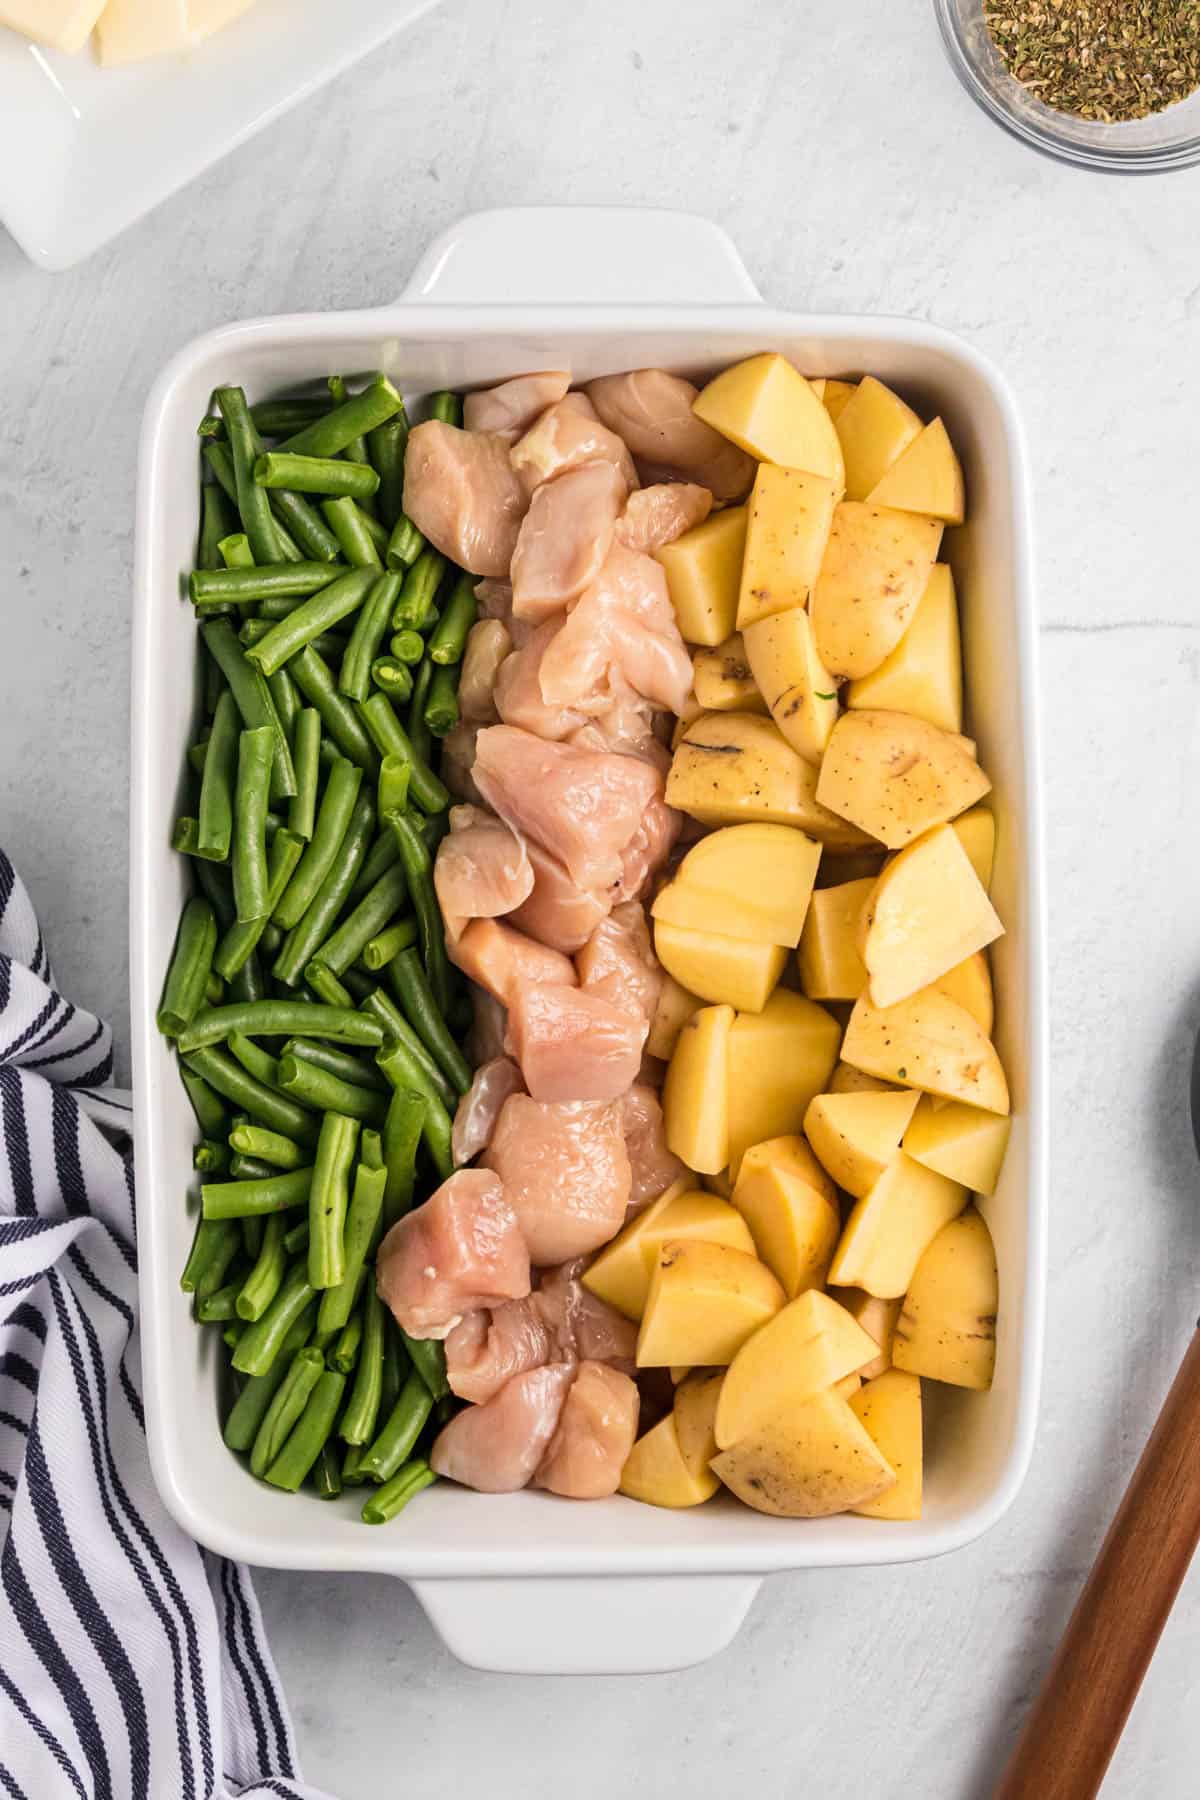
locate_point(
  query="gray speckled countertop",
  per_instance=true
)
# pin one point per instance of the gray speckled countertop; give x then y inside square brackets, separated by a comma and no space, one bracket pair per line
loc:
[836,147]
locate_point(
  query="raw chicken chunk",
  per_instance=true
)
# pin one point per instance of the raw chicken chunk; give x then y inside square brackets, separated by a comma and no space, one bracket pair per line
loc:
[573,1045]
[462,1249]
[489,641]
[648,849]
[494,599]
[652,1166]
[584,807]
[479,1108]
[504,961]
[659,514]
[595,1433]
[561,1322]
[511,408]
[458,760]
[519,699]
[624,622]
[489,1026]
[482,870]
[597,1331]
[565,438]
[652,411]
[496,1447]
[461,490]
[564,538]
[565,1173]
[618,962]
[558,912]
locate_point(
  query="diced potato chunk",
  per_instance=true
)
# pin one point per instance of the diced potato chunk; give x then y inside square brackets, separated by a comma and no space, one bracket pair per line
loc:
[766,406]
[876,567]
[855,1136]
[926,478]
[734,768]
[673,1008]
[970,984]
[657,1473]
[960,1141]
[923,674]
[791,1207]
[895,776]
[837,397]
[695,1410]
[799,690]
[705,1300]
[927,1042]
[927,912]
[704,570]
[848,1080]
[778,1060]
[889,1410]
[874,427]
[790,514]
[722,680]
[695,1095]
[806,1347]
[877,1318]
[890,1227]
[747,881]
[620,1273]
[828,960]
[977,832]
[814,1460]
[731,971]
[947,1325]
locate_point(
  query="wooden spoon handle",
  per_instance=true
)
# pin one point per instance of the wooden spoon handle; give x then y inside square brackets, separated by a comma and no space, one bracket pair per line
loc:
[1080,1712]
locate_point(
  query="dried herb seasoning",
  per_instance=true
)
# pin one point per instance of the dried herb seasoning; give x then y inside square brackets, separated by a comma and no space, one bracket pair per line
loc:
[1106,60]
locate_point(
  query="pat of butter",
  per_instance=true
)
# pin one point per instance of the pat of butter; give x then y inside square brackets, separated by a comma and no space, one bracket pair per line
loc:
[130,30]
[59,24]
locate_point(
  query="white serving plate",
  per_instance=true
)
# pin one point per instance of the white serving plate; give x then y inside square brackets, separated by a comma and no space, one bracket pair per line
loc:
[86,151]
[527,1582]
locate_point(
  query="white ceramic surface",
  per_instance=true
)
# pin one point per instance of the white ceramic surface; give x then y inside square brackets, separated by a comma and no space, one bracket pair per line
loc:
[461,1551]
[84,151]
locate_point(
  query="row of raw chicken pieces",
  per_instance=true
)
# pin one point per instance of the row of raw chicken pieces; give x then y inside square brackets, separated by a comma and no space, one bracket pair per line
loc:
[569,685]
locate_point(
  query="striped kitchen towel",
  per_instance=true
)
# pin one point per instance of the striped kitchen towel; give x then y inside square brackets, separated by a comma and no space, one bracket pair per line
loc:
[133,1664]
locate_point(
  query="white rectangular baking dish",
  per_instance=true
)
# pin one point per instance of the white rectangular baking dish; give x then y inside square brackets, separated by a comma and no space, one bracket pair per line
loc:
[525,1581]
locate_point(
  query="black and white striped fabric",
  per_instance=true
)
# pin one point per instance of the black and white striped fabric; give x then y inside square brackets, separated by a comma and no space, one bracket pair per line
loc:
[133,1664]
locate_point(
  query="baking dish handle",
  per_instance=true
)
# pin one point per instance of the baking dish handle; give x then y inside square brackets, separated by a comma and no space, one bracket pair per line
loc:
[582,255]
[576,1625]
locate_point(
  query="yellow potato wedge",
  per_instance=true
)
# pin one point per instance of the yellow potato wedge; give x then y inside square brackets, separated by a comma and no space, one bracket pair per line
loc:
[828,960]
[874,427]
[799,690]
[765,405]
[927,1042]
[705,1300]
[672,1010]
[811,1343]
[704,572]
[735,768]
[959,1141]
[656,1473]
[947,1325]
[877,1318]
[927,913]
[778,1059]
[815,1460]
[875,569]
[923,674]
[837,396]
[970,984]
[790,513]
[725,970]
[926,478]
[895,776]
[977,833]
[695,1096]
[745,881]
[889,1228]
[791,1208]
[889,1410]
[722,680]
[695,1409]
[620,1272]
[855,1136]
[848,1080]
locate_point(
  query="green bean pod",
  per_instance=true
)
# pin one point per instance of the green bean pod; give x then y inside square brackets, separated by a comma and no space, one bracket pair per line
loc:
[441,702]
[351,526]
[383,948]
[413,991]
[314,678]
[268,1146]
[385,447]
[281,1018]
[343,1355]
[355,418]
[314,539]
[394,1495]
[408,646]
[337,806]
[357,1424]
[266,1277]
[218,1308]
[428,1358]
[286,701]
[418,868]
[326,1476]
[343,1063]
[312,617]
[413,1066]
[414,608]
[214,1247]
[400,1431]
[314,926]
[277,1192]
[223,1074]
[250,1407]
[210,1157]
[447,407]
[309,1435]
[210,1114]
[258,520]
[314,474]
[391,739]
[448,639]
[240,939]
[405,544]
[216,522]
[362,1219]
[250,880]
[354,677]
[375,910]
[261,1344]
[253,698]
[328,1199]
[317,1088]
[288,1403]
[392,678]
[190,966]
[402,1130]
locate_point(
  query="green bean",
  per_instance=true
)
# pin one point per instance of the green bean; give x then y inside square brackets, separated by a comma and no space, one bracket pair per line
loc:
[252,503]
[314,616]
[296,1240]
[269,1146]
[408,646]
[253,698]
[218,1308]
[415,996]
[382,949]
[326,643]
[247,985]
[447,407]
[309,1435]
[233,1332]
[362,1408]
[441,704]
[314,678]
[427,1077]
[415,605]
[386,446]
[326,986]
[220,464]
[216,522]
[235,551]
[197,754]
[314,474]
[356,450]
[394,1495]
[337,806]
[266,1277]
[317,921]
[370,1148]
[242,586]
[287,702]
[214,681]
[405,544]
[328,1199]
[373,912]
[356,417]
[377,533]
[449,638]
[395,778]
[277,1192]
[354,677]
[384,852]
[313,537]
[191,963]
[213,1248]
[261,1102]
[326,1476]
[392,678]
[391,739]
[428,1357]
[401,1135]
[282,1018]
[418,868]
[419,733]
[249,1168]
[254,1059]
[271,938]
[252,1236]
[288,1403]
[250,880]
[344,1063]
[351,527]
[400,1431]
[210,1114]
[250,1407]
[271,417]
[239,940]
[210,1157]
[344,1354]
[395,1368]
[214,989]
[350,1461]
[317,1088]
[362,1219]
[261,1343]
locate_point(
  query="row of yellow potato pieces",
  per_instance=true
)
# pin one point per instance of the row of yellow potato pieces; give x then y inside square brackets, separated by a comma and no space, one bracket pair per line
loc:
[745,895]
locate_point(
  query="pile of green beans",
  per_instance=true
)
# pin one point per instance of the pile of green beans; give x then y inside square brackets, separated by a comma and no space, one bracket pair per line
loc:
[309,996]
